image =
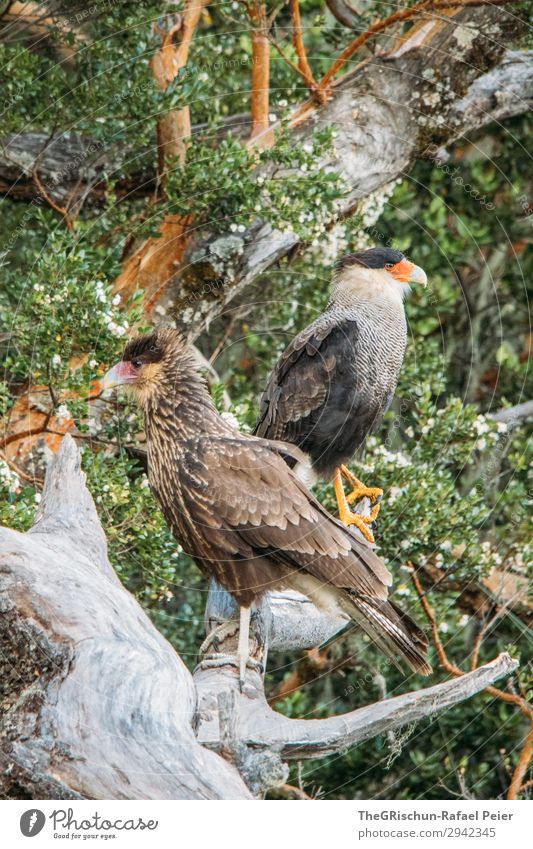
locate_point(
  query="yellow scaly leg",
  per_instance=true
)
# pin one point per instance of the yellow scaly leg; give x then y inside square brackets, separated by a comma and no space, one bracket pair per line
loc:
[345,514]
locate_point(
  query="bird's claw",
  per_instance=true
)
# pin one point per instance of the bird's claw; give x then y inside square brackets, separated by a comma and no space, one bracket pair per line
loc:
[372,492]
[217,636]
[218,660]
[361,523]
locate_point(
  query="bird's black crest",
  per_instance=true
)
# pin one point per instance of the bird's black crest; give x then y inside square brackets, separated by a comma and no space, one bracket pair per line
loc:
[146,348]
[372,258]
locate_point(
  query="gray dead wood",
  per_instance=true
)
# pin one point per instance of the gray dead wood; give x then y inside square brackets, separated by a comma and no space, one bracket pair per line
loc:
[257,727]
[96,704]
[514,416]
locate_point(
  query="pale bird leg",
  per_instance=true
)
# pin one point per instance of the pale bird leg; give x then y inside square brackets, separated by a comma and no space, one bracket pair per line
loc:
[345,514]
[241,659]
[243,649]
[359,490]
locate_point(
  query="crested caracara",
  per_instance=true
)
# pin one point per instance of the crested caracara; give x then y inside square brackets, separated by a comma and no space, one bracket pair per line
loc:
[335,381]
[237,508]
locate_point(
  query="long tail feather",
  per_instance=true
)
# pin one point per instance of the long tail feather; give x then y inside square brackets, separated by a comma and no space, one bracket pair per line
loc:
[391,629]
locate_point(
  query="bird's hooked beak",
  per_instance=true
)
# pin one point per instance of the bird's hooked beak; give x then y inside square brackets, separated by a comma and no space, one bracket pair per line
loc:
[407,272]
[122,372]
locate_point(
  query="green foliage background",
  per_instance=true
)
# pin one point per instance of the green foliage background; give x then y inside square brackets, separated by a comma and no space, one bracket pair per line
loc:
[457,491]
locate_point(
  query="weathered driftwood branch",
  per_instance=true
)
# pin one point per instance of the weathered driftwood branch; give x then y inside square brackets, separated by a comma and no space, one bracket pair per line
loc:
[96,704]
[258,727]
[503,93]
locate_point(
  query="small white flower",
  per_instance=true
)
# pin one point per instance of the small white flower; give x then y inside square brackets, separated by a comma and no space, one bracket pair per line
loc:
[272,117]
[443,628]
[116,300]
[56,360]
[62,413]
[93,363]
[463,620]
[481,426]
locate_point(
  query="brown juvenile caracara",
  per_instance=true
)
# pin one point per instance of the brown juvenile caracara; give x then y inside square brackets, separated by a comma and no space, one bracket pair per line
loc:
[235,505]
[335,381]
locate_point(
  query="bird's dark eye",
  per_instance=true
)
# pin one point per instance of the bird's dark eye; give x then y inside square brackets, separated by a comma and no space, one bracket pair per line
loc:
[389,265]
[137,363]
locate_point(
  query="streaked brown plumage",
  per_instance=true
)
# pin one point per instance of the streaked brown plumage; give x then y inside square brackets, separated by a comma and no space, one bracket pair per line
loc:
[236,507]
[335,381]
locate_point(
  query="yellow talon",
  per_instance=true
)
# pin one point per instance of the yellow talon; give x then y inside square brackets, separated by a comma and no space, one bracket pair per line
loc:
[345,514]
[359,490]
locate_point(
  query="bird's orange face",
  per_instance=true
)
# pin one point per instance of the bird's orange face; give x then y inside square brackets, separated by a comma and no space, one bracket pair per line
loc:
[406,271]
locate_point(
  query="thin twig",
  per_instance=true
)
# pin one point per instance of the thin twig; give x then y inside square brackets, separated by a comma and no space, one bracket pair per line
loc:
[61,210]
[20,472]
[303,63]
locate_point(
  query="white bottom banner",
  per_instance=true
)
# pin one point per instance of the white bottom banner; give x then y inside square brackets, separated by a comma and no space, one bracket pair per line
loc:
[229,825]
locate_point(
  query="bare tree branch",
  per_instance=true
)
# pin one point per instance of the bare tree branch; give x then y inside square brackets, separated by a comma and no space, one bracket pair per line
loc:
[76,163]
[514,416]
[344,13]
[259,727]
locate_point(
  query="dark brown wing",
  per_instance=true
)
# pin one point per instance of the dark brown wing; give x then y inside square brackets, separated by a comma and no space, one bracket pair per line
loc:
[298,385]
[326,394]
[246,505]
[255,523]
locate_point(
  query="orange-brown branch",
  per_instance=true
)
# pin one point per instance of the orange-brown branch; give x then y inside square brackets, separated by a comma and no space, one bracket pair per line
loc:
[61,210]
[153,263]
[174,127]
[523,763]
[260,70]
[303,63]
